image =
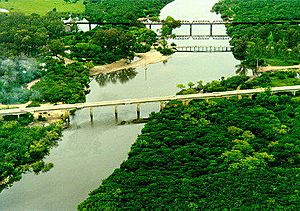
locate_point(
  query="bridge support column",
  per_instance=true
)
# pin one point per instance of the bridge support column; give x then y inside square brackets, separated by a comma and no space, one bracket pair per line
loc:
[90,26]
[150,26]
[294,93]
[91,114]
[185,102]
[250,96]
[116,113]
[162,106]
[191,30]
[206,100]
[239,97]
[138,111]
[68,120]
[211,30]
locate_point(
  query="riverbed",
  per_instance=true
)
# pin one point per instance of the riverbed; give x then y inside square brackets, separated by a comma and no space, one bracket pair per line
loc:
[89,152]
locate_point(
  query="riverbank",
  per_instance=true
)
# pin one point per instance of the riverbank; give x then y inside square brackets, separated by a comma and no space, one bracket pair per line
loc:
[147,58]
[274,68]
[49,117]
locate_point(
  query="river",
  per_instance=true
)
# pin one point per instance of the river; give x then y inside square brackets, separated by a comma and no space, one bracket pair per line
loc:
[88,153]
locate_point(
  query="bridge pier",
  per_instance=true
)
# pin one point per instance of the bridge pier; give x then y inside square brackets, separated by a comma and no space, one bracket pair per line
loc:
[68,120]
[91,114]
[138,111]
[191,30]
[116,113]
[162,105]
[211,30]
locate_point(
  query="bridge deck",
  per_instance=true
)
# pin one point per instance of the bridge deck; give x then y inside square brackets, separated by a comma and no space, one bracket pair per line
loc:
[147,100]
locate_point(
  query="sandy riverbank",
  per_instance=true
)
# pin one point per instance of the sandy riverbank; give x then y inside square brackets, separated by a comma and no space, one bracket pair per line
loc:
[150,57]
[51,116]
[273,68]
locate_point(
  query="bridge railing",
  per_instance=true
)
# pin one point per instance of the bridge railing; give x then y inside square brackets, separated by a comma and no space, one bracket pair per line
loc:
[202,48]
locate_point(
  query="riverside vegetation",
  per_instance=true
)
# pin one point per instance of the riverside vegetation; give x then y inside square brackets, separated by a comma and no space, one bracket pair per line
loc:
[225,153]
[34,47]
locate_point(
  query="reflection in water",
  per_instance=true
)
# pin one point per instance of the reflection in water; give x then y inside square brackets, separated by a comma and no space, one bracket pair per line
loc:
[122,76]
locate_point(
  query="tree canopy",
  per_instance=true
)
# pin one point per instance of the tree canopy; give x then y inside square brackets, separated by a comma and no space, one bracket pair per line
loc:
[274,44]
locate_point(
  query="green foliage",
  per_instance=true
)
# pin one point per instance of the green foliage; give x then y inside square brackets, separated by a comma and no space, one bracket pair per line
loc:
[231,83]
[165,50]
[225,155]
[123,11]
[115,44]
[22,148]
[34,104]
[267,79]
[271,79]
[27,35]
[108,45]
[14,75]
[168,25]
[63,83]
[264,42]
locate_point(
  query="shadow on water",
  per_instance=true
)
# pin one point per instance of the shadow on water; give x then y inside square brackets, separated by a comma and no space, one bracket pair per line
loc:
[121,76]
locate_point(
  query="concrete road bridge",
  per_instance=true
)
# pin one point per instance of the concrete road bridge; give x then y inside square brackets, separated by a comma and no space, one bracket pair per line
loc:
[138,101]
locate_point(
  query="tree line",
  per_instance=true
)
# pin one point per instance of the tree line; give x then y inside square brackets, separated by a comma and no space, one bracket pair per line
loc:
[263,44]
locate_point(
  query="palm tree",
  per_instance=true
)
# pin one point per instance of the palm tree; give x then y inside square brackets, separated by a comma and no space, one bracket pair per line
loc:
[243,68]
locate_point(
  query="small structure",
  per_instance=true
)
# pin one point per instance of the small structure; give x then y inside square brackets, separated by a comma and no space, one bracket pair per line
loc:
[4,10]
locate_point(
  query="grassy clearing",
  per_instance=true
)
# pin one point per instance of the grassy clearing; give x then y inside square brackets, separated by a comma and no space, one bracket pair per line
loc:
[42,6]
[285,82]
[281,62]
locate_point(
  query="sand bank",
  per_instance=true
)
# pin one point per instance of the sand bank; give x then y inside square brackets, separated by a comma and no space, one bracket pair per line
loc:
[150,57]
[273,68]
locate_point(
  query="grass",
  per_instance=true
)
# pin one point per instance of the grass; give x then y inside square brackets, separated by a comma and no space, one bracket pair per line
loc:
[285,82]
[41,7]
[296,99]
[281,62]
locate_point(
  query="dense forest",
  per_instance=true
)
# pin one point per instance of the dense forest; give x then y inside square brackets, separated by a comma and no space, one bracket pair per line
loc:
[274,44]
[123,11]
[219,154]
